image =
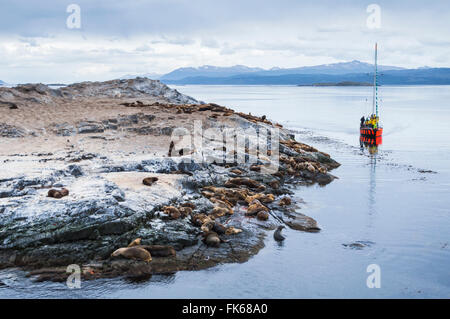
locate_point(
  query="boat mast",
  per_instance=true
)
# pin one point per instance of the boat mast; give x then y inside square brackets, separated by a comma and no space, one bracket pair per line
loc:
[375,85]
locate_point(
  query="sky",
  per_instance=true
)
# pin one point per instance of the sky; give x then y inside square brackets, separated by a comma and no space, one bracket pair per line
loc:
[116,38]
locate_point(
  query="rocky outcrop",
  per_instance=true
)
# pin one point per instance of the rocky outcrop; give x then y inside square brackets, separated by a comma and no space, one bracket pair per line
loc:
[25,94]
[210,211]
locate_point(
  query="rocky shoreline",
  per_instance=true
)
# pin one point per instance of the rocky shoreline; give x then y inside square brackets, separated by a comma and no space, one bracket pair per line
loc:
[100,141]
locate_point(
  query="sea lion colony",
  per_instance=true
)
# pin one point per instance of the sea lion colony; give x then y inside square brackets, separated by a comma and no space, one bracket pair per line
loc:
[131,196]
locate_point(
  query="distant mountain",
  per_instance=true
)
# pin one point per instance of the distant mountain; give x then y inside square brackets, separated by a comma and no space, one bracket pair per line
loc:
[209,71]
[387,77]
[334,68]
[1,82]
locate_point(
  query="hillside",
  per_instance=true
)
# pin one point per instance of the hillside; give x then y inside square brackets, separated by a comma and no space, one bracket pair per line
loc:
[437,76]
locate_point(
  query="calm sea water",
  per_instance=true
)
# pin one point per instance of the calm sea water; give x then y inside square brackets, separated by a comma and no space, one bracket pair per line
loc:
[383,200]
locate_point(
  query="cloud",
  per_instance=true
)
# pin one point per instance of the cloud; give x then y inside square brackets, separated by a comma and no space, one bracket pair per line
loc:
[125,37]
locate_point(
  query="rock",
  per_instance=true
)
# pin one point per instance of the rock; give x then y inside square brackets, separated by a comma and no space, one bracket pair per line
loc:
[75,170]
[11,131]
[303,223]
[90,127]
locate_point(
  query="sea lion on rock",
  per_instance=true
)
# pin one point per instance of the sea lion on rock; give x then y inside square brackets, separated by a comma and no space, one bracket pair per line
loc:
[149,181]
[256,168]
[285,201]
[219,228]
[262,216]
[212,239]
[232,231]
[255,207]
[237,181]
[200,219]
[64,192]
[58,194]
[208,226]
[277,234]
[172,211]
[263,198]
[274,184]
[188,204]
[160,250]
[218,211]
[54,193]
[185,211]
[136,253]
[135,242]
[236,171]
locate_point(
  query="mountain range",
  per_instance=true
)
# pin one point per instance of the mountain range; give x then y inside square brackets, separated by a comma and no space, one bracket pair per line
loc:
[354,71]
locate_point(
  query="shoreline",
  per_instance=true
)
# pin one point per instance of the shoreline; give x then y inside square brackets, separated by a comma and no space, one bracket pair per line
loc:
[106,209]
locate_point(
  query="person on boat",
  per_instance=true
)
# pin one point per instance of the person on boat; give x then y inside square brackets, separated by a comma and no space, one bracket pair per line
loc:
[363,119]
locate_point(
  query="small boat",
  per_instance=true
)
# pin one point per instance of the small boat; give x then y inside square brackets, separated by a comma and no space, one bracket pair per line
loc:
[371,132]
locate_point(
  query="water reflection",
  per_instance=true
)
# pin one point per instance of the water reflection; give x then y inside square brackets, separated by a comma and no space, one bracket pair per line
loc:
[371,145]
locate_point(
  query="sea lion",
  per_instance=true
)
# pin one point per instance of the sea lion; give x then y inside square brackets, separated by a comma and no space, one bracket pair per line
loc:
[236,171]
[136,253]
[185,211]
[218,211]
[232,230]
[208,226]
[255,207]
[274,184]
[135,242]
[285,201]
[277,234]
[200,219]
[188,204]
[262,216]
[212,239]
[58,194]
[54,193]
[160,250]
[64,192]
[256,168]
[219,228]
[172,211]
[149,181]
[263,198]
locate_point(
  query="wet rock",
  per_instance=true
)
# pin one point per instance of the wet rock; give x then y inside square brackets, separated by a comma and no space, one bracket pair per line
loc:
[303,223]
[359,244]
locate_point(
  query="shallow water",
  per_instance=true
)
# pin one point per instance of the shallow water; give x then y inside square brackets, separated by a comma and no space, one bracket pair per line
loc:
[400,215]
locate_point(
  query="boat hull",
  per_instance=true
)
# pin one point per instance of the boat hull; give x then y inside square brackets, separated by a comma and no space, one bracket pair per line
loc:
[371,132]
[371,140]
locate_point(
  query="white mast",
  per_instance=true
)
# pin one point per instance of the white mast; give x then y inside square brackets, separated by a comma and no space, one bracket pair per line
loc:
[375,85]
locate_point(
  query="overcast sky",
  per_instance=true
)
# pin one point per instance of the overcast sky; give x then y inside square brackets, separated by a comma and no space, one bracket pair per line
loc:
[157,36]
